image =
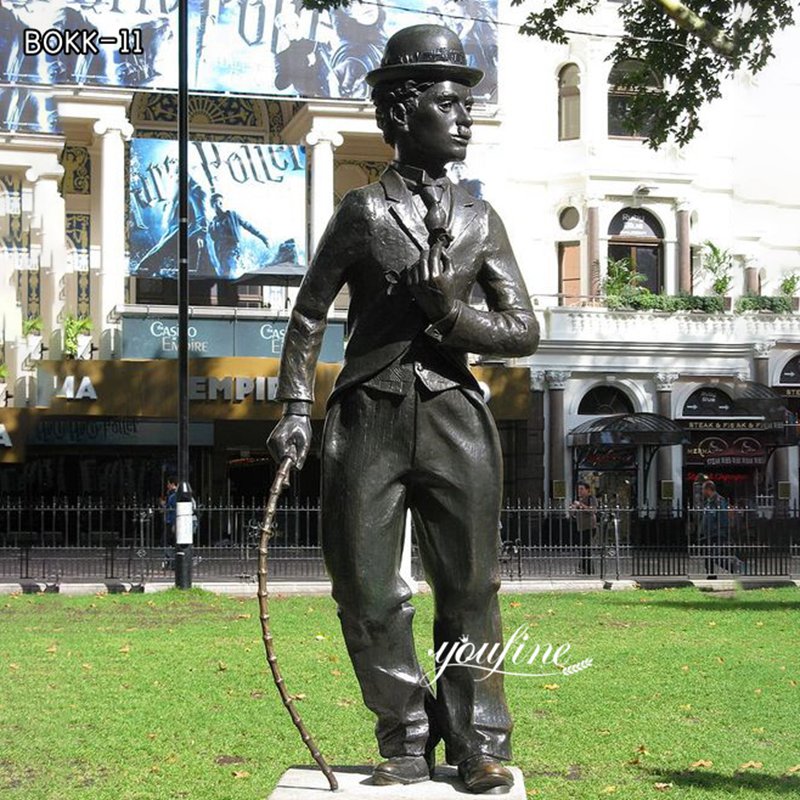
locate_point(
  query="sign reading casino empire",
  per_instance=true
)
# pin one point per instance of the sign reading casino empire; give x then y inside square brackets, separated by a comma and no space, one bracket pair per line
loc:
[157,337]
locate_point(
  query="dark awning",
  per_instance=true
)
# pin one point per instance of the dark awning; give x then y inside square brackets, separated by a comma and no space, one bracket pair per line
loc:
[632,430]
[759,400]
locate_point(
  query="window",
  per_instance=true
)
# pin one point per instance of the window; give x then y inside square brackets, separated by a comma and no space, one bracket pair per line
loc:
[637,236]
[605,400]
[569,103]
[625,80]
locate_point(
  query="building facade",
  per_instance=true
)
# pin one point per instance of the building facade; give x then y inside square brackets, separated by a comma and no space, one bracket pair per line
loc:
[579,195]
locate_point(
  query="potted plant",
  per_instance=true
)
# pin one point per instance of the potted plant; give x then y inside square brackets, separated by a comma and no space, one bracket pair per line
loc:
[718,264]
[32,331]
[788,288]
[77,335]
[621,284]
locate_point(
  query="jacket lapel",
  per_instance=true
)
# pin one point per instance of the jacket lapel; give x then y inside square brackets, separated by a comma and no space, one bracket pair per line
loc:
[462,214]
[401,207]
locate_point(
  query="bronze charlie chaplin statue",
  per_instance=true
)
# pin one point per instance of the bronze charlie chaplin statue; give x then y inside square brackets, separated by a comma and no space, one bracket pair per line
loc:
[407,426]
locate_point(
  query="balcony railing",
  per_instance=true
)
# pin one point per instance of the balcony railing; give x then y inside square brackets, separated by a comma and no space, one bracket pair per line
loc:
[567,318]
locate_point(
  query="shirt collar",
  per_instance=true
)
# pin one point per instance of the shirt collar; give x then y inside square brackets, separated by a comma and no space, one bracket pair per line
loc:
[416,177]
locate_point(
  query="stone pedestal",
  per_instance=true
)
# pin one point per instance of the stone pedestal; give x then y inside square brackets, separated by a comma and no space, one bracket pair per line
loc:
[308,783]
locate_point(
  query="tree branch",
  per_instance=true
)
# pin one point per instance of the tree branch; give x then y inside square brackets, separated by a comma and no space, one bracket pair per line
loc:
[715,38]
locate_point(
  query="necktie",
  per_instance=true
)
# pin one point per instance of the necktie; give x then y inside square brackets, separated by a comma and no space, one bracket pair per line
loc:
[436,217]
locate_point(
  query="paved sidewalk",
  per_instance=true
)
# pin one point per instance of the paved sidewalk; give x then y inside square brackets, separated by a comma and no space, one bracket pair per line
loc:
[321,587]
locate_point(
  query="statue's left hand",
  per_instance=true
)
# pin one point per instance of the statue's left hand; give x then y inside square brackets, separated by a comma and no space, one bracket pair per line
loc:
[430,282]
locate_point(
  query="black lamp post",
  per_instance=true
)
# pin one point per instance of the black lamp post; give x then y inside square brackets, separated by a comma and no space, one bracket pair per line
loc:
[183,510]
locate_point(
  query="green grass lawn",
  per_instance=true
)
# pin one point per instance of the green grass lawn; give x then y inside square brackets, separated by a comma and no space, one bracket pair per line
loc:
[154,697]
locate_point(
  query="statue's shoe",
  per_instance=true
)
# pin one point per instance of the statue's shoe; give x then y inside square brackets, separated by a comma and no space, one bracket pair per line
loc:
[401,769]
[483,774]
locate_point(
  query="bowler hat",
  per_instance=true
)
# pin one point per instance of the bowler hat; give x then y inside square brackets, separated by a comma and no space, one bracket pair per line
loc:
[424,52]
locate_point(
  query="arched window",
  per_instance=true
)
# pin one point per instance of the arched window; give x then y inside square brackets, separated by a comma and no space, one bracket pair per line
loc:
[636,236]
[569,103]
[625,80]
[710,402]
[605,400]
[790,374]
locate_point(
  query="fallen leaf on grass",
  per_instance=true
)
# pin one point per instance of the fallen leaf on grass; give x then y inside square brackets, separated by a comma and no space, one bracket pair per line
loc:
[551,687]
[256,695]
[13,666]
[225,760]
[241,774]
[298,696]
[515,604]
[610,789]
[345,702]
[243,616]
[793,770]
[662,787]
[642,750]
[126,648]
[152,735]
[703,762]
[86,666]
[319,637]
[751,765]
[52,649]
[221,666]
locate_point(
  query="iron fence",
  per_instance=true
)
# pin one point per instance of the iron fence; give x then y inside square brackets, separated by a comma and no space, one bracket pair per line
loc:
[61,540]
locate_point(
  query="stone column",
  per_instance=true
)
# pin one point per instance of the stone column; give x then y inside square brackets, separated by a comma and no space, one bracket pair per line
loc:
[530,447]
[593,245]
[664,382]
[556,382]
[684,248]
[48,226]
[108,291]
[322,145]
[761,352]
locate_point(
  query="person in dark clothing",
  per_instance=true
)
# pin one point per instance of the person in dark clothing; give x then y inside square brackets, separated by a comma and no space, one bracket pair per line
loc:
[225,233]
[715,531]
[584,515]
[168,531]
[303,63]
[162,259]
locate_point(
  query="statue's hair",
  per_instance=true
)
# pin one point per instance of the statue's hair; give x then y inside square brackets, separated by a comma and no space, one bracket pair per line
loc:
[386,95]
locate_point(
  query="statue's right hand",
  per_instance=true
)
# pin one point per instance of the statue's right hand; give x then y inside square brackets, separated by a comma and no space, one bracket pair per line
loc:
[291,438]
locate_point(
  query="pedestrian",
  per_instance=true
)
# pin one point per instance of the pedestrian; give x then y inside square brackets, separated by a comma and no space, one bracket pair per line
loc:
[584,515]
[168,531]
[715,531]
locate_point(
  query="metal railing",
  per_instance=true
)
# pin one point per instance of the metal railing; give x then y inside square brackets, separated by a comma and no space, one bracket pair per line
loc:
[68,540]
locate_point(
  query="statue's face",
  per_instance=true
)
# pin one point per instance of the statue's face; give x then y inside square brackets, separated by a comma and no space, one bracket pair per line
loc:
[440,125]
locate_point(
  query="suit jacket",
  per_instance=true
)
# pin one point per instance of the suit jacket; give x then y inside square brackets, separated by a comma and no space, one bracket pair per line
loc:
[375,230]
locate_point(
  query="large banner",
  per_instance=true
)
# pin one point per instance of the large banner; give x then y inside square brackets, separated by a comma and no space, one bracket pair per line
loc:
[247,209]
[267,47]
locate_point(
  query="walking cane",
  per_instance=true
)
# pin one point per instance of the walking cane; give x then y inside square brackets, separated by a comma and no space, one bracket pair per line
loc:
[281,480]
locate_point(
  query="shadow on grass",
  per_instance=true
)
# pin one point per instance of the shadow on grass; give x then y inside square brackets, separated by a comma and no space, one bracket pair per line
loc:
[754,782]
[726,604]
